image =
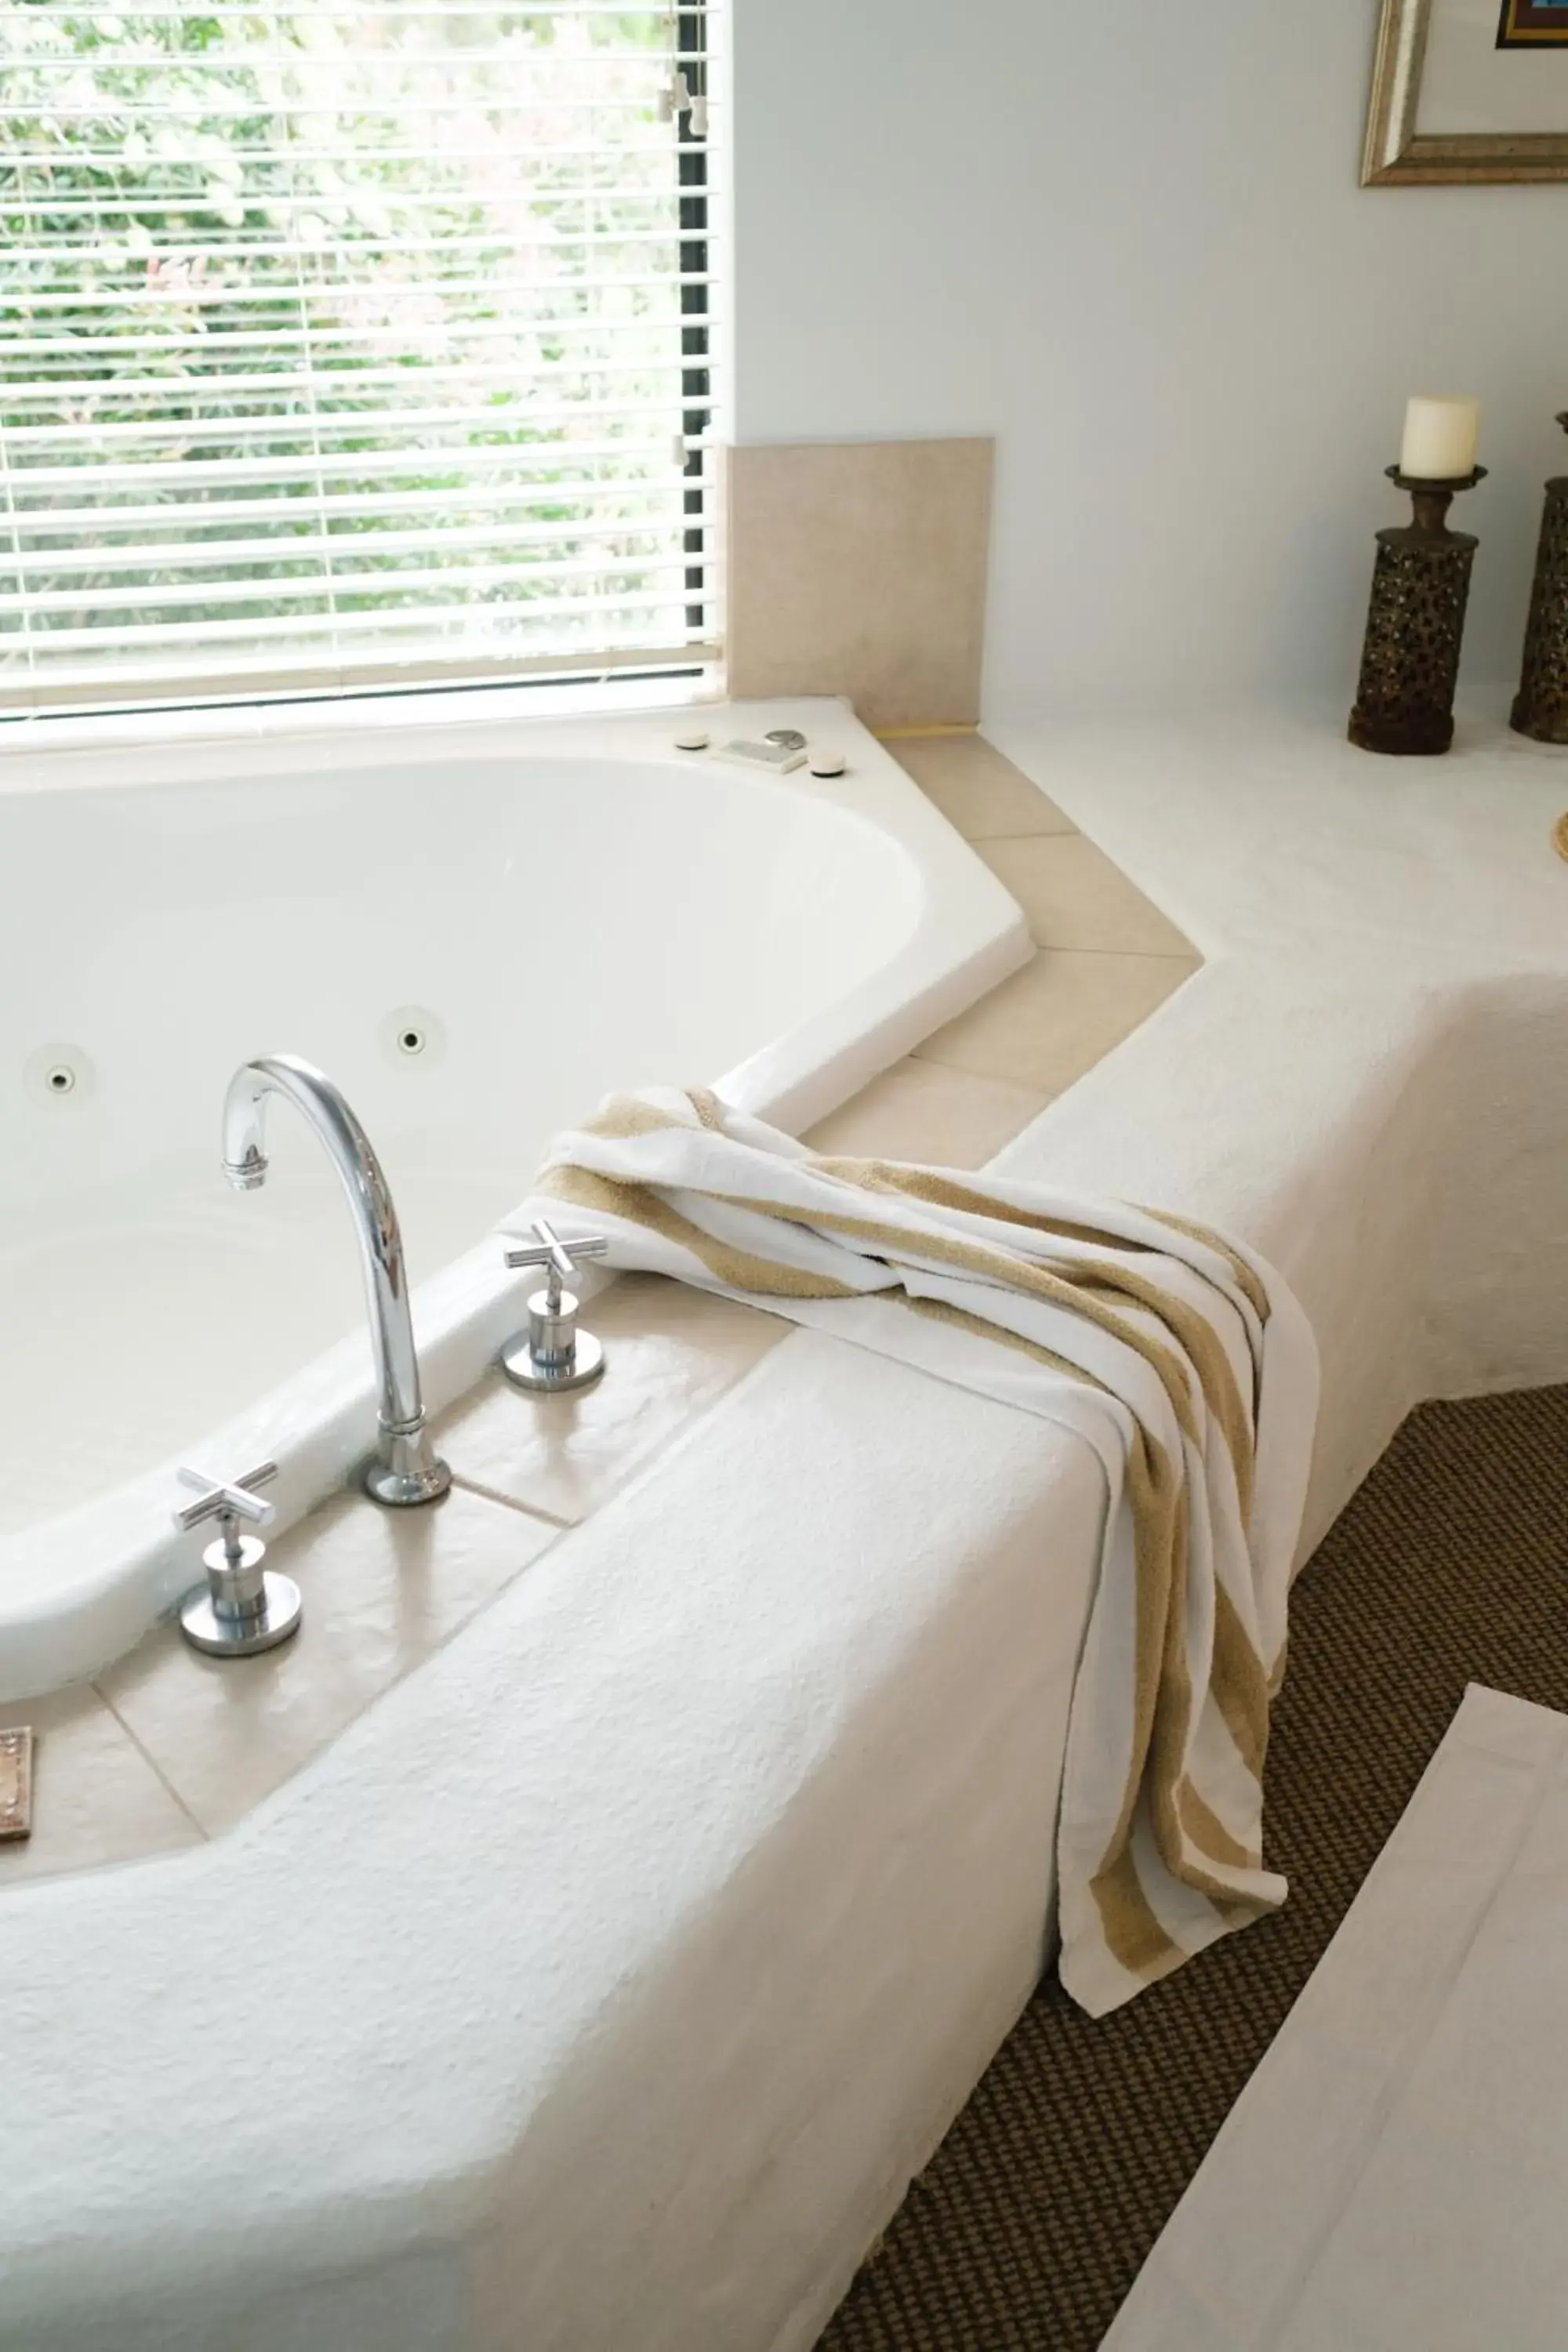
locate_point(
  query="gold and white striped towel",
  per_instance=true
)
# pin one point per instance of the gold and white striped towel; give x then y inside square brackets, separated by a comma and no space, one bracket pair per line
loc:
[1178,1355]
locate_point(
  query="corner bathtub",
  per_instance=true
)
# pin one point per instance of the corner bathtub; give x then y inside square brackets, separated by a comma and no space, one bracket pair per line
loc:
[479,929]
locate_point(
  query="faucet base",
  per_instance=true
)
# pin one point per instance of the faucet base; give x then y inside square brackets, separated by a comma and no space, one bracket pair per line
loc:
[406,1470]
[221,1635]
[404,1490]
[526,1369]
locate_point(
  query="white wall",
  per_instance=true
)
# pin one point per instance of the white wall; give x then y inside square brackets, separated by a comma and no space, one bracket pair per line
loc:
[1130,240]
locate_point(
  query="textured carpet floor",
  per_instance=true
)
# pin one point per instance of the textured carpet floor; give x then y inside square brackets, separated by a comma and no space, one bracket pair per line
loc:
[1031,2223]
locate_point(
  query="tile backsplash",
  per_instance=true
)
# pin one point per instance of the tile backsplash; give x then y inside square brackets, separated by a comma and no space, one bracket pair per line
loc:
[859,568]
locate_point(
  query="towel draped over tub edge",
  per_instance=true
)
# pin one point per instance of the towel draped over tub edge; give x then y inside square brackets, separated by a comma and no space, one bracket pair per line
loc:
[1178,1354]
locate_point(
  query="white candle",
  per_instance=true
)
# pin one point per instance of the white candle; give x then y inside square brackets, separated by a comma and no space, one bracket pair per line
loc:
[1440,437]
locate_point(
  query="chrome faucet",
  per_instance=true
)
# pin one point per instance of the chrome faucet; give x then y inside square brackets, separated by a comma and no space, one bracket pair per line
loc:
[406,1468]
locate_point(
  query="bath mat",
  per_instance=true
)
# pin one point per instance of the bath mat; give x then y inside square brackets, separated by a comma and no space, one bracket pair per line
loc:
[1025,2232]
[1393,2173]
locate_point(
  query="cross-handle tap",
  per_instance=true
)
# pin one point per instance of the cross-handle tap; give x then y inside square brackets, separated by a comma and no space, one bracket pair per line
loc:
[244,1606]
[554,1354]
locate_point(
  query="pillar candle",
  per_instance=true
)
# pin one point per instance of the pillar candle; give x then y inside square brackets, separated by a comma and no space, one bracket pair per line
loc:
[1440,437]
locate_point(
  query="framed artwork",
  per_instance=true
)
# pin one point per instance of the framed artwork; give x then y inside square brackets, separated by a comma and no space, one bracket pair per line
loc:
[1469,89]
[1533,24]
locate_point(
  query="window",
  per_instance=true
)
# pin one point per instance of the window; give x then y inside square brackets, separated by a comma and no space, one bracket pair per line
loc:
[349,342]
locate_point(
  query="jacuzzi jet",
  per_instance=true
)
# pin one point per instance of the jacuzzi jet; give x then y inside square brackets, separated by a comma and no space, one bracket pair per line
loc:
[412,1033]
[57,1073]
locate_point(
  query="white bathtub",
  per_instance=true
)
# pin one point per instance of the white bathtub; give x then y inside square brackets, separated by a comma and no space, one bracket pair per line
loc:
[543,912]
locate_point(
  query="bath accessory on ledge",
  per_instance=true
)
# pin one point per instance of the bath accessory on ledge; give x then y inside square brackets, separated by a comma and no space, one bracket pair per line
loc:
[16,1784]
[1540,706]
[243,1607]
[554,1354]
[1420,587]
[406,1469]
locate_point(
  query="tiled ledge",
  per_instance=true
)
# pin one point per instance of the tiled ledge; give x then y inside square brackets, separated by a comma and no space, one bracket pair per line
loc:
[168,1748]
[1107,957]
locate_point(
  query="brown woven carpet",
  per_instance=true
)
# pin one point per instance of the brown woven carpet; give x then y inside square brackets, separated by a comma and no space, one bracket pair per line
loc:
[1029,2226]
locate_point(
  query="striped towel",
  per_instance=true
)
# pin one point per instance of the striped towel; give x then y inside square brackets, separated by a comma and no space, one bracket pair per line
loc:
[1179,1356]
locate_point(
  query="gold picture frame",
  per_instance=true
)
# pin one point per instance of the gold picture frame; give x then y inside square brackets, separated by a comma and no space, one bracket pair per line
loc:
[1399,155]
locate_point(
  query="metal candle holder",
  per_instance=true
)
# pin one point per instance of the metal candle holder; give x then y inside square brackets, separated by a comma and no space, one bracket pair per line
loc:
[1540,706]
[1420,587]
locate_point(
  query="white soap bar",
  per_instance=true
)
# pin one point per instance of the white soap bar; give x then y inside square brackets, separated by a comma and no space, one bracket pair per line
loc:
[692,739]
[778,759]
[828,764]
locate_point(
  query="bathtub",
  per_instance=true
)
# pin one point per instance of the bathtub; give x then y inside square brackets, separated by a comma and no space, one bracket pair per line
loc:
[479,929]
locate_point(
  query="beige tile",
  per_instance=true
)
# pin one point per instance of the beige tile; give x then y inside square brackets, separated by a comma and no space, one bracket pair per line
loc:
[1054,1020]
[1075,898]
[920,1111]
[96,1797]
[671,1352]
[981,794]
[858,568]
[382,1590]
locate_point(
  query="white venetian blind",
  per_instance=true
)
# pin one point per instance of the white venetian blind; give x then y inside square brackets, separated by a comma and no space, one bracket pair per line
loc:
[350,342]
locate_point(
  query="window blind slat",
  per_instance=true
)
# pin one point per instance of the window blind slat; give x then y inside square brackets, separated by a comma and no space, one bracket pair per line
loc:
[38,174]
[142,197]
[19,350]
[326,563]
[229,671]
[350,337]
[288,626]
[507,370]
[190,515]
[357,464]
[322,419]
[220,297]
[340,548]
[65,254]
[125,56]
[387,11]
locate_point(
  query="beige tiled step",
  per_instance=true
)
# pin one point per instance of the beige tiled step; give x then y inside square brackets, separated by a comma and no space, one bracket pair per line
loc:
[97,1798]
[382,1591]
[671,1352]
[918,1110]
[981,795]
[1054,1020]
[1073,897]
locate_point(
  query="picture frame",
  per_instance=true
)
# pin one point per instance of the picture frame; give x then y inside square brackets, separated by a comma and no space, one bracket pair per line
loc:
[1468,90]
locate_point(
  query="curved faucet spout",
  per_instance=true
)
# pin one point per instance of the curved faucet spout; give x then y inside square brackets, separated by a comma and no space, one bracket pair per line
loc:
[406,1468]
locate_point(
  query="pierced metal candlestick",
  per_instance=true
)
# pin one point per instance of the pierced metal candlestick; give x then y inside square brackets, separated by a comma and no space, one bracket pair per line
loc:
[1420,587]
[1540,706]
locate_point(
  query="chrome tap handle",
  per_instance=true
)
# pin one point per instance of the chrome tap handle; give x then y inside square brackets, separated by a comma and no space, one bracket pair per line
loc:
[552,1251]
[554,1354]
[244,1606]
[239,1501]
[558,1257]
